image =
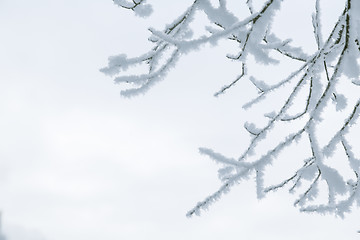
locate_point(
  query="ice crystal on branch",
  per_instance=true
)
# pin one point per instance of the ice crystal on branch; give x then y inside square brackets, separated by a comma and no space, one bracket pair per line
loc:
[138,6]
[334,63]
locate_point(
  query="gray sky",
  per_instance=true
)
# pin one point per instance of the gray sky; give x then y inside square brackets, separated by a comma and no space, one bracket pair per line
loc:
[77,161]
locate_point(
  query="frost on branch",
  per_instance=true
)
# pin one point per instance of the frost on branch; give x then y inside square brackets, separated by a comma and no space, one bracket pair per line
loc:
[138,6]
[334,63]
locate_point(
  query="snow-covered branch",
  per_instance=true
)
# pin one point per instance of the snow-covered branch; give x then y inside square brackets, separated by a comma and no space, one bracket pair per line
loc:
[334,61]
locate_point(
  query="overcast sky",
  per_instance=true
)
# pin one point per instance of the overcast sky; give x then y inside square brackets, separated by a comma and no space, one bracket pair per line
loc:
[77,161]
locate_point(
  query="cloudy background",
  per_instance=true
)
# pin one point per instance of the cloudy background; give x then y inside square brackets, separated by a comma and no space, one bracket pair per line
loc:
[77,161]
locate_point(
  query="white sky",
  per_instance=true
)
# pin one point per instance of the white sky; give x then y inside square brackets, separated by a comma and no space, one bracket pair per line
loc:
[77,161]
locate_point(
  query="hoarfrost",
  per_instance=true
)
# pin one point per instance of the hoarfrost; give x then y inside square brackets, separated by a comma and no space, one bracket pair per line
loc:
[337,55]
